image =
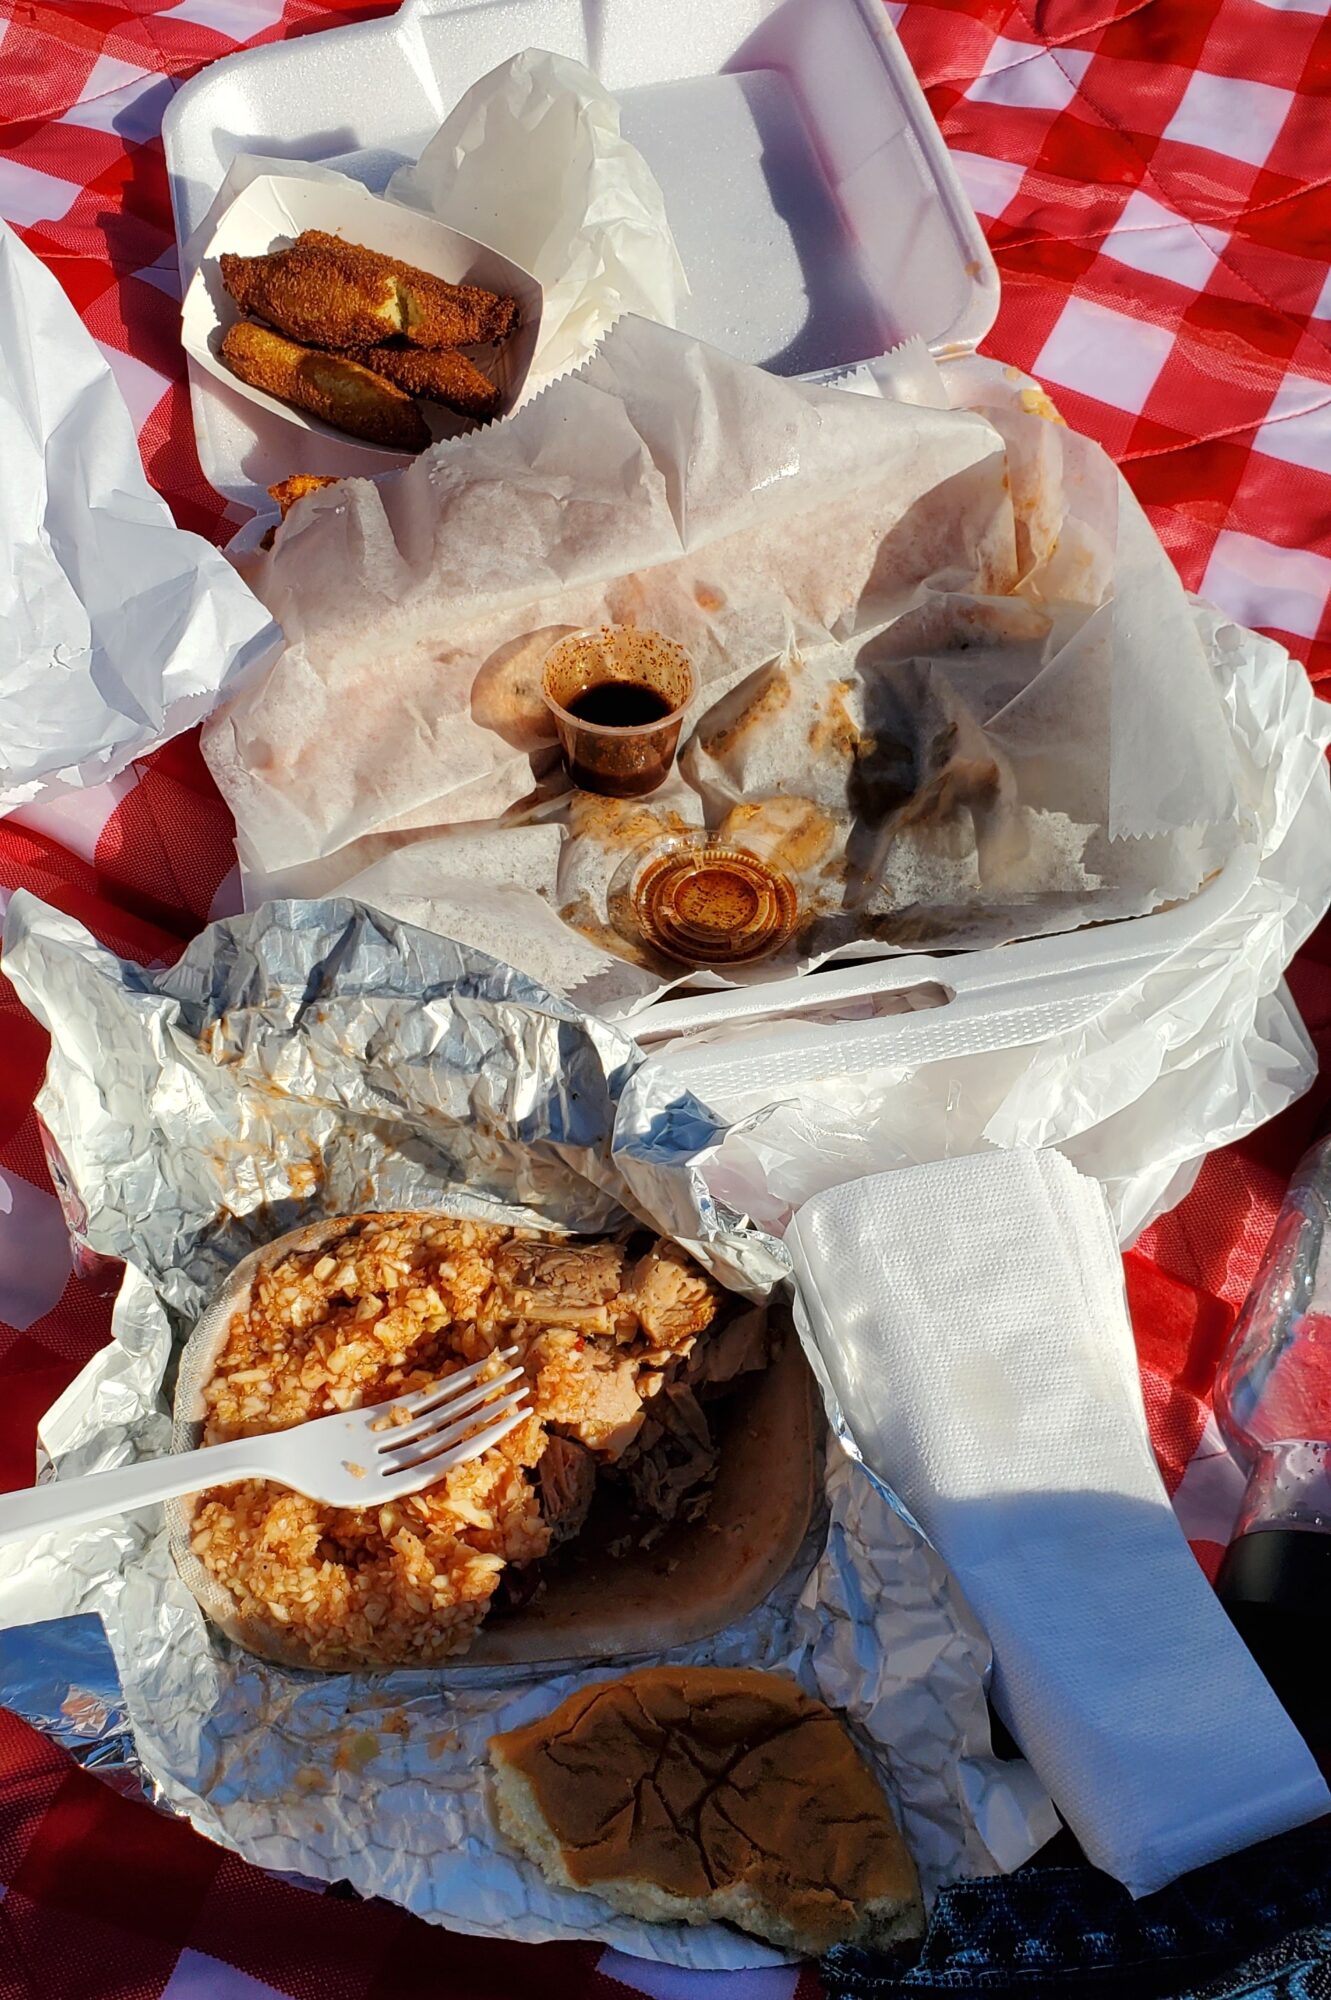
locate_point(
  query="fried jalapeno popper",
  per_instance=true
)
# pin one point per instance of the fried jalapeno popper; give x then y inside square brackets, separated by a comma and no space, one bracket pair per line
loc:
[441,377]
[339,295]
[327,385]
[345,318]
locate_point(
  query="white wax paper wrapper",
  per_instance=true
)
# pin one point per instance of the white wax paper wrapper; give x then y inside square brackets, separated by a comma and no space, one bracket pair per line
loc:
[1003,1404]
[951,671]
[117,629]
[907,373]
[317,1058]
[531,160]
[1185,1050]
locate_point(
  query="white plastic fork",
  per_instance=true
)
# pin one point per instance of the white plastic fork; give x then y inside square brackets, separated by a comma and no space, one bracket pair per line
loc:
[359,1458]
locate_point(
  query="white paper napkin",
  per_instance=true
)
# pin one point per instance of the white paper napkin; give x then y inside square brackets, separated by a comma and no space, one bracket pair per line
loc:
[117,629]
[971,1319]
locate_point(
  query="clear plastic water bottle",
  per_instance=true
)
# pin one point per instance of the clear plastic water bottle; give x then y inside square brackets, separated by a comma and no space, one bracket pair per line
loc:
[1273,1401]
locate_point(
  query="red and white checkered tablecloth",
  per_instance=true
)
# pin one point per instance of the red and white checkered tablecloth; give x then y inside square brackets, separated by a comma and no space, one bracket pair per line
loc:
[1155,179]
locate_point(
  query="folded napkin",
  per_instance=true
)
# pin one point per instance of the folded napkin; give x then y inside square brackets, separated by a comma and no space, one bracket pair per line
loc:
[971,1320]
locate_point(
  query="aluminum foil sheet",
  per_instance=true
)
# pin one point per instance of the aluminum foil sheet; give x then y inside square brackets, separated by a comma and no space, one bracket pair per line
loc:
[317,1058]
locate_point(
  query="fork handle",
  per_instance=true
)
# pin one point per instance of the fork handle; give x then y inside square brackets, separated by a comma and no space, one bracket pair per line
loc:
[66,1503]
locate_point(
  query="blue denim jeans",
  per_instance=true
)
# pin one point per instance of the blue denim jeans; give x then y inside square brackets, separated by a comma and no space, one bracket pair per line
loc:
[1254,1927]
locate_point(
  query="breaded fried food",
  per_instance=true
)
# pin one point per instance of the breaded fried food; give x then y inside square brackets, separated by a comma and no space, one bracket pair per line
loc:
[315,295]
[340,295]
[327,385]
[440,375]
[288,491]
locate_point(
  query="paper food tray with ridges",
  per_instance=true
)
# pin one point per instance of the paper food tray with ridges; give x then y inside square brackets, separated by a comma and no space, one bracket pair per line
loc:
[270,213]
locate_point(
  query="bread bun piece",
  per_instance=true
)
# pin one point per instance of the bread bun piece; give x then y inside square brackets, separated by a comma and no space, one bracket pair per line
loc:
[705,1794]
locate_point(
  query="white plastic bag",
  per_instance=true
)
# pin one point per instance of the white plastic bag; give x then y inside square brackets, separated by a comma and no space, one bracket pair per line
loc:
[117,629]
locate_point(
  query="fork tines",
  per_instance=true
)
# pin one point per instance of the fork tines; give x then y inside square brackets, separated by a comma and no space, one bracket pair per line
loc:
[445,1419]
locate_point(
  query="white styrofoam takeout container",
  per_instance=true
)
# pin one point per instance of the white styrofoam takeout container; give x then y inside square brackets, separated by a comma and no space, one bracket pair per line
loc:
[817,214]
[269,214]
[820,223]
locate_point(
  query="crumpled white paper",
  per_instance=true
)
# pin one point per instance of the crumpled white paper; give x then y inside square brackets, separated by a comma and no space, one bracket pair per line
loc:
[971,1319]
[907,373]
[531,161]
[425,1075]
[117,629]
[866,589]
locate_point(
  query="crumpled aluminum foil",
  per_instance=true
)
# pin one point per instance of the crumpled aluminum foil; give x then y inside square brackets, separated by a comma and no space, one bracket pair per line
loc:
[318,1058]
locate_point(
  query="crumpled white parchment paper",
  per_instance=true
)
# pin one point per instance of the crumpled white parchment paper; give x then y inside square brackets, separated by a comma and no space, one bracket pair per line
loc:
[532,161]
[874,595]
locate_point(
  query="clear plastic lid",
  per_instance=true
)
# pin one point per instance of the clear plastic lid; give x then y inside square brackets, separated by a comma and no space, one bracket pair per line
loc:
[702,902]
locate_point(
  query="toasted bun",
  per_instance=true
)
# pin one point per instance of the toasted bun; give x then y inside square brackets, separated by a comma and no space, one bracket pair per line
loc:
[699,1795]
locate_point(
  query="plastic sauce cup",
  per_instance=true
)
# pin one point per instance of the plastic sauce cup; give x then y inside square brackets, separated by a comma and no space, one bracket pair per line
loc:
[702,902]
[614,671]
